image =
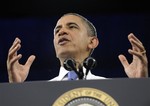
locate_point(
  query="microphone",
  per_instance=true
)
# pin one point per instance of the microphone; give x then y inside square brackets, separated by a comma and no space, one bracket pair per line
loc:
[70,64]
[89,63]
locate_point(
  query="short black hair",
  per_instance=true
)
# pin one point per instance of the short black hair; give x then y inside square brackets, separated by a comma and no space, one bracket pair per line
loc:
[92,29]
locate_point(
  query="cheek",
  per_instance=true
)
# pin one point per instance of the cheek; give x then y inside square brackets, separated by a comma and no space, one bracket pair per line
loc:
[82,44]
[54,42]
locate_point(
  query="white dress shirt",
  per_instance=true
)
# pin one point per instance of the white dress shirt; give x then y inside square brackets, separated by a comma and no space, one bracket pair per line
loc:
[63,72]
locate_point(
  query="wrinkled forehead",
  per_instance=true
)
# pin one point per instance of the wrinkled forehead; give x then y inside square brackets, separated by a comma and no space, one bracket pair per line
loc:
[69,18]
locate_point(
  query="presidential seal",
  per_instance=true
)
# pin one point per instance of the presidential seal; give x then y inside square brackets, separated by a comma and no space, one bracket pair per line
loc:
[85,97]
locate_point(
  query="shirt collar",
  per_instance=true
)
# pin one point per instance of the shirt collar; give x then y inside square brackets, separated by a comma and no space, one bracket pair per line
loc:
[63,72]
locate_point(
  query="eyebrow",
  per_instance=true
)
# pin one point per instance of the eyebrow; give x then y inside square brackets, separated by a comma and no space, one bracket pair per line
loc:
[72,23]
[69,23]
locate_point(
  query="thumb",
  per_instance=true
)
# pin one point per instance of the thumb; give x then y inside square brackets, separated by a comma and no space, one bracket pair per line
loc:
[123,61]
[30,61]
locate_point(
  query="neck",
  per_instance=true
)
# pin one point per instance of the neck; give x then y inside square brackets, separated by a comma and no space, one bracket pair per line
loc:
[79,61]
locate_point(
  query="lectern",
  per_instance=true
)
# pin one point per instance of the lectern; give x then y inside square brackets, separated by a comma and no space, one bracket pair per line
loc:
[105,92]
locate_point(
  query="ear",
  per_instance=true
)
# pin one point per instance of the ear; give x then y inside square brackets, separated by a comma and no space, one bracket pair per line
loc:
[93,42]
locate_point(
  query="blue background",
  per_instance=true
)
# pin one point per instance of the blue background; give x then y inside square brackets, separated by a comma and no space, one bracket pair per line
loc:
[33,23]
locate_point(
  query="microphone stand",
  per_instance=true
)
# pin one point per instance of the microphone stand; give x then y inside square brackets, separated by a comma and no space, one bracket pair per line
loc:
[70,64]
[80,73]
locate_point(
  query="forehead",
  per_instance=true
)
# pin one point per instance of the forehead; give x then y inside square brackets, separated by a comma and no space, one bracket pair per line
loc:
[69,18]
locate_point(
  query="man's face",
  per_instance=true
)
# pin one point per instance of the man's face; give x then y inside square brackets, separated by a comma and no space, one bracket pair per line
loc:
[71,37]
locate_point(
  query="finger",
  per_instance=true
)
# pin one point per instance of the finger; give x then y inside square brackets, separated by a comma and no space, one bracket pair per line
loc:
[123,61]
[137,46]
[15,59]
[132,36]
[140,55]
[16,41]
[136,43]
[30,61]
[13,52]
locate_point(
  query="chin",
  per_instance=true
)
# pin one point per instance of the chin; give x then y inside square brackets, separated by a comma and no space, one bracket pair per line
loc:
[66,54]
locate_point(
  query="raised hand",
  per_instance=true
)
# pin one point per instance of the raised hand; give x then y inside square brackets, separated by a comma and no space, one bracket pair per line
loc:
[138,68]
[16,71]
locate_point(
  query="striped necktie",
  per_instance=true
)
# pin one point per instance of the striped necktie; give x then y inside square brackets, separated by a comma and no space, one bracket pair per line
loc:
[72,75]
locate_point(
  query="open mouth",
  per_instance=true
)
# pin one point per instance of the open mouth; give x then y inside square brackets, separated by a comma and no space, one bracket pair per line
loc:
[63,41]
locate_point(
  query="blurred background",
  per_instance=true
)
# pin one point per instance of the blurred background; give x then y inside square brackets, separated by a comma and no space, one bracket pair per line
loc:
[33,22]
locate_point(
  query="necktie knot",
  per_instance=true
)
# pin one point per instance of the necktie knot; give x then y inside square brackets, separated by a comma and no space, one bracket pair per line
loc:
[72,75]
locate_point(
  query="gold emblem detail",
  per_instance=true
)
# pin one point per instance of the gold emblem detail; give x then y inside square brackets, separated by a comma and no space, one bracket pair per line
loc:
[93,93]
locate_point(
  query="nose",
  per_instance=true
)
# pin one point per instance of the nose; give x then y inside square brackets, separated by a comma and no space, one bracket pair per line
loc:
[62,32]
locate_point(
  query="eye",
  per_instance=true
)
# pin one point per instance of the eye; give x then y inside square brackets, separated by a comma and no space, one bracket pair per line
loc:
[72,26]
[56,31]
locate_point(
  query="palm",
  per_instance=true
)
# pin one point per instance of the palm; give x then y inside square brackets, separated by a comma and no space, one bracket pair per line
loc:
[134,69]
[18,72]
